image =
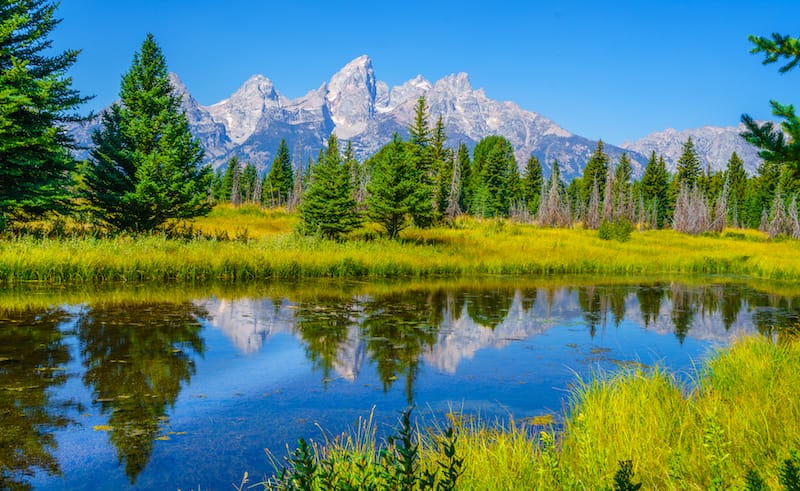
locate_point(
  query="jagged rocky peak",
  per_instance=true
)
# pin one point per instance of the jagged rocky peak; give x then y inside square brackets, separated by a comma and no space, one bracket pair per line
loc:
[455,82]
[351,97]
[241,112]
[409,91]
[177,84]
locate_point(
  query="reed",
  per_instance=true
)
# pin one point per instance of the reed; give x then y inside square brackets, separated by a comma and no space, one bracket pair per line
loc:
[246,244]
[738,418]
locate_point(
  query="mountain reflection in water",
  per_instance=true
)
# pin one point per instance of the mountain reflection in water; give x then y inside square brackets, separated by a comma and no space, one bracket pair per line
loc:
[139,387]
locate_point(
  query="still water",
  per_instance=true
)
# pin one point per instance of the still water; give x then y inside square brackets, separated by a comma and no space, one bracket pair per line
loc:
[165,388]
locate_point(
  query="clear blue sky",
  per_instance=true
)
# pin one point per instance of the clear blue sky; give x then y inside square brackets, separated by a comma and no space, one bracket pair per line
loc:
[610,70]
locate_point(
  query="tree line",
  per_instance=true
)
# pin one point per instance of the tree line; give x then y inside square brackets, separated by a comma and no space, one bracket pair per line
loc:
[145,167]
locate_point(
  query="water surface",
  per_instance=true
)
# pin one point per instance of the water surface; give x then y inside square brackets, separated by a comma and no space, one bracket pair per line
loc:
[164,388]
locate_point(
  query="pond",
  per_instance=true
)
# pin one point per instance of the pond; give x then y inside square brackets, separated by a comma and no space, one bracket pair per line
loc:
[158,387]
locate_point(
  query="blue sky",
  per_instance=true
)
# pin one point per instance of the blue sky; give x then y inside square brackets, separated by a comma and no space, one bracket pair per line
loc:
[610,70]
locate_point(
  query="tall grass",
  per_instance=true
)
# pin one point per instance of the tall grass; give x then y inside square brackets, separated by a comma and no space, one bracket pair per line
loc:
[737,422]
[248,244]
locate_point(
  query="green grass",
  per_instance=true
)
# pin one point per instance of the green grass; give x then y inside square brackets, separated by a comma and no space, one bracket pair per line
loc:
[248,243]
[740,414]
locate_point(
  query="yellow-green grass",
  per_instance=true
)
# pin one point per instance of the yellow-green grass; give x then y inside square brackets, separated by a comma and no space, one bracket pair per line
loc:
[740,412]
[270,249]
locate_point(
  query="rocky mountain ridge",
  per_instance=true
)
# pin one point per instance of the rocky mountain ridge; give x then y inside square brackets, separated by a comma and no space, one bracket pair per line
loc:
[359,108]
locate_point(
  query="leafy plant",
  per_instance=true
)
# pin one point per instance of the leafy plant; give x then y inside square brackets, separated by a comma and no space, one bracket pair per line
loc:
[618,229]
[623,479]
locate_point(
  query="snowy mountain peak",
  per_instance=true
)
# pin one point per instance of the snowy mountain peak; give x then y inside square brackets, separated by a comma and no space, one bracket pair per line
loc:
[241,112]
[351,97]
[714,145]
[458,82]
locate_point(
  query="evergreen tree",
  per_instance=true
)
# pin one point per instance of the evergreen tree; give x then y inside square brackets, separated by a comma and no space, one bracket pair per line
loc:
[595,170]
[328,206]
[622,182]
[36,98]
[231,177]
[280,179]
[464,164]
[247,183]
[216,185]
[420,133]
[493,160]
[394,194]
[146,164]
[688,168]
[443,164]
[532,182]
[778,145]
[761,192]
[421,137]
[654,188]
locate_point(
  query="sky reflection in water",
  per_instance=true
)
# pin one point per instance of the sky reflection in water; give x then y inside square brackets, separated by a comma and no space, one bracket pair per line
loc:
[187,391]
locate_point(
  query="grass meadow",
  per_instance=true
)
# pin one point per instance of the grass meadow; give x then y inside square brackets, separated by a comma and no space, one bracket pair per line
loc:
[244,244]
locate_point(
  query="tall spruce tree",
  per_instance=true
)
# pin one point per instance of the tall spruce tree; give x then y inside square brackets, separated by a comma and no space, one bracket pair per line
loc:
[421,136]
[492,162]
[532,182]
[36,98]
[596,170]
[622,182]
[231,177]
[442,158]
[655,188]
[280,179]
[146,166]
[328,205]
[247,184]
[464,163]
[688,169]
[394,195]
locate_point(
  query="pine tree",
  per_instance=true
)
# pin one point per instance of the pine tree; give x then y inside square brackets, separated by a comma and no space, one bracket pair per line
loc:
[736,178]
[146,164]
[761,192]
[778,145]
[247,185]
[230,178]
[622,182]
[394,195]
[532,182]
[596,169]
[280,179]
[464,163]
[593,213]
[328,206]
[36,99]
[654,188]
[688,167]
[443,164]
[421,137]
[492,175]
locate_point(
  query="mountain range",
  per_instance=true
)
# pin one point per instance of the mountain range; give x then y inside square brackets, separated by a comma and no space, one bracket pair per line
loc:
[359,108]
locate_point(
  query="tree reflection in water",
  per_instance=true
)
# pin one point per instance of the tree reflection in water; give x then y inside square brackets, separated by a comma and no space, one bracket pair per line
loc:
[136,358]
[33,359]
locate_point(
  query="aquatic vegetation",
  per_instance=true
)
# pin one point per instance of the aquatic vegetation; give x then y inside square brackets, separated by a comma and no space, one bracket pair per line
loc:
[735,426]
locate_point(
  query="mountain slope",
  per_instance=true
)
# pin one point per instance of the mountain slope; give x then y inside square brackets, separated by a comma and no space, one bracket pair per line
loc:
[714,145]
[358,107]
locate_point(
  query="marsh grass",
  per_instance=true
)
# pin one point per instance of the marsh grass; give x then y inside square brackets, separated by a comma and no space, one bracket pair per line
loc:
[248,243]
[736,425]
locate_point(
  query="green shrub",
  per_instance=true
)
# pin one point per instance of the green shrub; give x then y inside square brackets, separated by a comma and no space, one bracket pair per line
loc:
[618,229]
